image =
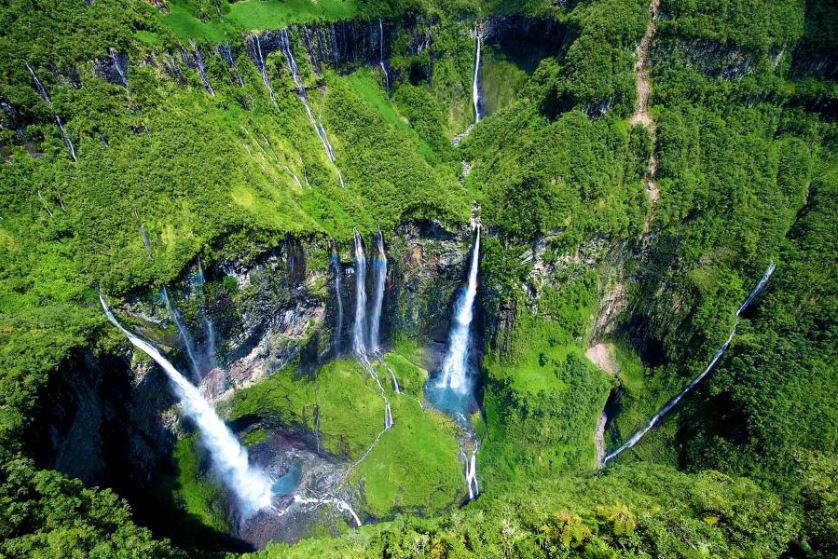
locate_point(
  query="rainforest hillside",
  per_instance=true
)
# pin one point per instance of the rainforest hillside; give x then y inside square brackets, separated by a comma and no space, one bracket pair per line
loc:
[421,278]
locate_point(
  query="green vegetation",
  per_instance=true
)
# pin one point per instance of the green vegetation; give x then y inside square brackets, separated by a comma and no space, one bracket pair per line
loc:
[646,511]
[744,151]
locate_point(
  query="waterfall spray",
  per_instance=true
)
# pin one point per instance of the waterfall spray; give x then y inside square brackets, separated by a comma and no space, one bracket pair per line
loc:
[359,328]
[42,91]
[455,365]
[379,268]
[184,334]
[475,84]
[338,271]
[250,485]
[718,355]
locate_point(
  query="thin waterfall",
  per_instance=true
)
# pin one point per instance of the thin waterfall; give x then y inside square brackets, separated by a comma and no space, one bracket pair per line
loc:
[718,355]
[184,334]
[379,270]
[146,242]
[226,53]
[381,56]
[301,93]
[359,328]
[42,91]
[455,365]
[475,84]
[118,67]
[250,485]
[338,271]
[285,42]
[209,330]
[264,72]
[202,69]
[470,471]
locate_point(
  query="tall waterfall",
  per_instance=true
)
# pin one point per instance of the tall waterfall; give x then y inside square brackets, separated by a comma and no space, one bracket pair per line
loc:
[184,334]
[455,365]
[359,328]
[379,269]
[42,91]
[381,55]
[338,271]
[250,485]
[475,83]
[718,355]
[301,93]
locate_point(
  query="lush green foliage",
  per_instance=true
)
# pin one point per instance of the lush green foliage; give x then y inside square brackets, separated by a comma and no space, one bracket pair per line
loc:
[743,94]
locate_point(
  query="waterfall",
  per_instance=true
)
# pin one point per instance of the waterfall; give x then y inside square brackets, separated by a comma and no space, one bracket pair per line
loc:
[146,242]
[251,486]
[226,53]
[757,290]
[359,328]
[264,72]
[475,84]
[379,268]
[185,337]
[301,93]
[118,67]
[338,271]
[455,365]
[337,503]
[718,355]
[202,69]
[381,55]
[42,91]
[471,474]
[209,330]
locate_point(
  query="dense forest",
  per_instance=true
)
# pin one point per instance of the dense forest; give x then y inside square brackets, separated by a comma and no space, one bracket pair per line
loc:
[217,167]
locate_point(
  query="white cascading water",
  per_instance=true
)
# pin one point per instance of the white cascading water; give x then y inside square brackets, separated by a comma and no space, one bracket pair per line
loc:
[471,474]
[455,365]
[475,84]
[379,270]
[718,355]
[359,327]
[338,271]
[202,68]
[115,59]
[209,330]
[42,91]
[381,56]
[250,485]
[301,93]
[264,72]
[185,336]
[340,504]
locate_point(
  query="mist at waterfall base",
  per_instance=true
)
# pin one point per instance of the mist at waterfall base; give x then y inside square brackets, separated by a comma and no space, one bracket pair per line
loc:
[451,390]
[250,485]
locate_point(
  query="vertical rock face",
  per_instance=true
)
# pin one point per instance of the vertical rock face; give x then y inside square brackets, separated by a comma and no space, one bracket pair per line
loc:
[106,422]
[268,313]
